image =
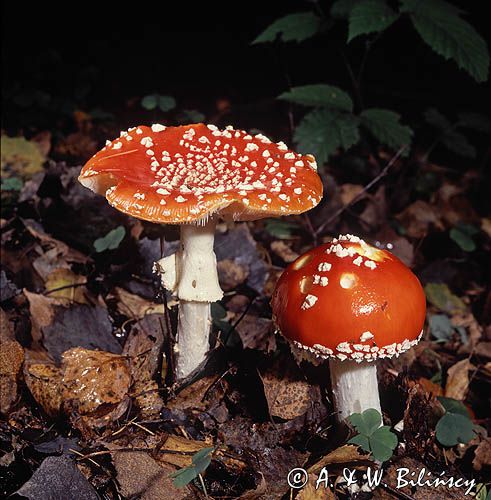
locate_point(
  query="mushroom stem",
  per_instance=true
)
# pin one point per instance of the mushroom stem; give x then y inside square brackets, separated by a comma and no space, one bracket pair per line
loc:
[196,286]
[354,387]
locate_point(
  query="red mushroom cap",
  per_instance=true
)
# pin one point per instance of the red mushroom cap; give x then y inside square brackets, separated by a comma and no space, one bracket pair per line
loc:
[349,300]
[184,174]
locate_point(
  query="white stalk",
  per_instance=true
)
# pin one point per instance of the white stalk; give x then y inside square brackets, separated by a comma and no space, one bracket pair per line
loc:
[354,387]
[192,275]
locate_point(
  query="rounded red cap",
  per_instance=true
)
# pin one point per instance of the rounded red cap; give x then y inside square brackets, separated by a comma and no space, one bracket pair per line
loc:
[184,174]
[349,300]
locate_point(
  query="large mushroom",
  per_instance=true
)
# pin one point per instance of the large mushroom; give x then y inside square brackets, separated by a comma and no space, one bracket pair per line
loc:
[350,303]
[192,175]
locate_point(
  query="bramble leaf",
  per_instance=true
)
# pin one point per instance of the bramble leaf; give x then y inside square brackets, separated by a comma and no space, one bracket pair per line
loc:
[439,24]
[341,9]
[322,131]
[384,125]
[319,95]
[370,16]
[293,27]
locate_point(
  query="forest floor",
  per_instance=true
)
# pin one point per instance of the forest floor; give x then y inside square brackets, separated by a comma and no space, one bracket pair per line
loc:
[107,420]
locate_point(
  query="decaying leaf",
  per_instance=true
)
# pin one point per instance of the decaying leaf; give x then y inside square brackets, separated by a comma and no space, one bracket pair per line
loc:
[256,333]
[284,251]
[11,360]
[440,295]
[288,396]
[134,306]
[310,492]
[64,284]
[20,157]
[345,456]
[44,380]
[458,380]
[182,450]
[139,475]
[482,455]
[348,192]
[231,274]
[42,311]
[418,218]
[94,378]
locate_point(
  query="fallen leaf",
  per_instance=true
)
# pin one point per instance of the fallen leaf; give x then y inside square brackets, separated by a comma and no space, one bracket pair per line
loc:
[418,217]
[429,386]
[348,192]
[458,380]
[44,380]
[284,251]
[375,213]
[6,327]
[178,445]
[57,478]
[42,312]
[20,157]
[134,306]
[139,475]
[482,455]
[486,225]
[64,284]
[347,455]
[94,378]
[473,328]
[288,395]
[440,296]
[8,289]
[231,274]
[11,360]
[310,492]
[256,333]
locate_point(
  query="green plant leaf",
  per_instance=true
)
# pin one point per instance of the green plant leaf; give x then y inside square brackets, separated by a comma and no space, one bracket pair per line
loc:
[439,24]
[441,327]
[166,102]
[281,229]
[366,423]
[293,27]
[384,125]
[184,476]
[453,429]
[361,441]
[319,95]
[200,461]
[440,296]
[322,131]
[370,16]
[481,492]
[191,116]
[463,239]
[341,9]
[150,101]
[456,142]
[452,405]
[433,117]
[11,184]
[111,240]
[382,443]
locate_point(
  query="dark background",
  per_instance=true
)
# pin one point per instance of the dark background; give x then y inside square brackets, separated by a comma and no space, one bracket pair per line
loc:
[108,56]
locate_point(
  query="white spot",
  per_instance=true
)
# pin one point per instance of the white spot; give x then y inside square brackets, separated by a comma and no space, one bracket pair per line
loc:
[163,191]
[289,156]
[358,261]
[157,127]
[299,163]
[297,190]
[370,264]
[366,336]
[150,152]
[344,347]
[180,199]
[309,301]
[324,266]
[266,153]
[147,142]
[347,280]
[117,145]
[251,147]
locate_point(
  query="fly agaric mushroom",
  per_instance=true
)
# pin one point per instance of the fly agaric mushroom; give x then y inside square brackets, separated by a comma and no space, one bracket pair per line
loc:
[191,175]
[351,303]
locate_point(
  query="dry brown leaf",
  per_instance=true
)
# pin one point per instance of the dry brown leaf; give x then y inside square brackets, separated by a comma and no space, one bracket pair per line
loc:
[348,192]
[6,327]
[44,380]
[140,476]
[482,455]
[346,454]
[11,360]
[474,330]
[418,217]
[147,398]
[231,274]
[458,380]
[483,349]
[282,250]
[94,378]
[256,333]
[375,213]
[42,312]
[309,491]
[486,225]
[64,284]
[181,445]
[429,386]
[134,306]
[287,395]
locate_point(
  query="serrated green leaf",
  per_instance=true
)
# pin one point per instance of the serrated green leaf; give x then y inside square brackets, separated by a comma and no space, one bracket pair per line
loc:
[111,240]
[453,429]
[360,440]
[382,443]
[440,296]
[341,8]
[441,327]
[293,27]
[384,125]
[166,102]
[452,405]
[323,131]
[457,142]
[319,95]
[150,101]
[433,117]
[463,239]
[475,121]
[439,24]
[370,16]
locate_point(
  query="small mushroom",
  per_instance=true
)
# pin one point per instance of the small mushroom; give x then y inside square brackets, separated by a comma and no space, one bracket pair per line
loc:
[191,175]
[351,303]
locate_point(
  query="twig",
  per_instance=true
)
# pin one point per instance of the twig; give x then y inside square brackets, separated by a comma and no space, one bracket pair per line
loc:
[374,181]
[203,485]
